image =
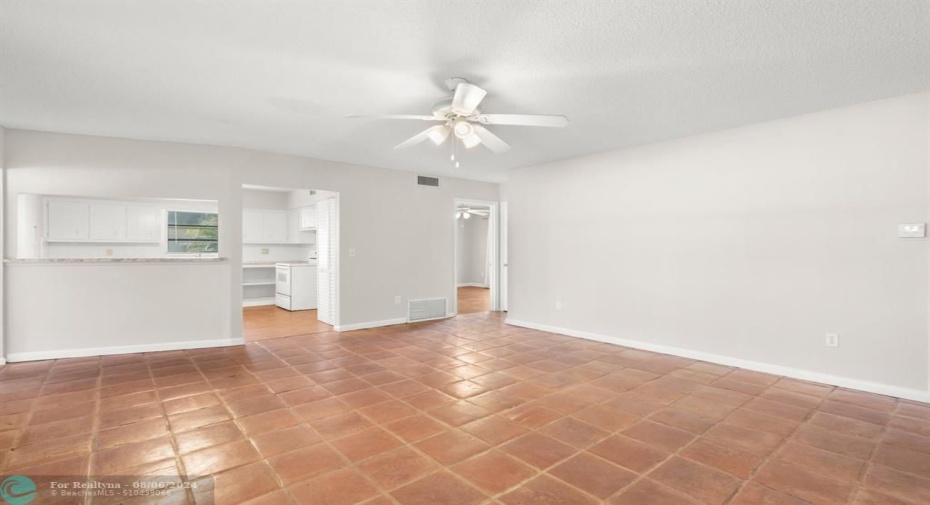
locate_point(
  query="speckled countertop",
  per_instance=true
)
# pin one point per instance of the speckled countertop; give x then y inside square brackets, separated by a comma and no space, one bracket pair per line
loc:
[59,261]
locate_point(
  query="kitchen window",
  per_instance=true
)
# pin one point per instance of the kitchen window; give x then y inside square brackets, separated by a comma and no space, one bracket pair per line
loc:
[192,232]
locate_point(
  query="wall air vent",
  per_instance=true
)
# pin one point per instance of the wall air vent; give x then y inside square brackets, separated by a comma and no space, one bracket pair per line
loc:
[428,181]
[422,310]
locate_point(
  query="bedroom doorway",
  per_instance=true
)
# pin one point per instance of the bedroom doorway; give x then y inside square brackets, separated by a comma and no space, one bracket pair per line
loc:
[476,257]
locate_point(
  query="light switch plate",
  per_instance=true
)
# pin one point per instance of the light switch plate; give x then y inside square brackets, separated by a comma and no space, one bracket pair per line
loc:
[912,230]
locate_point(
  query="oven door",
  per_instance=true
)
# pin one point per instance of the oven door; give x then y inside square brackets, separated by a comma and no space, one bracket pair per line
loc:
[283,280]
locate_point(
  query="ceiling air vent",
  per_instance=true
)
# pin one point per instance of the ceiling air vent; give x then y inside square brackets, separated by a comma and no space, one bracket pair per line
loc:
[428,181]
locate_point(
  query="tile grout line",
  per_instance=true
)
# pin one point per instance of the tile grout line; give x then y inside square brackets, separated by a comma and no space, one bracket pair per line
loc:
[870,461]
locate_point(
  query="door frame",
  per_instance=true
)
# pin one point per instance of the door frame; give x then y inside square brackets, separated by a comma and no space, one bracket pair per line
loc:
[493,262]
[503,259]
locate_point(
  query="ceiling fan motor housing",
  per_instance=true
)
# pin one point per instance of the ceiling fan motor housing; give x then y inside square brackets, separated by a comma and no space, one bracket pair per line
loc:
[442,109]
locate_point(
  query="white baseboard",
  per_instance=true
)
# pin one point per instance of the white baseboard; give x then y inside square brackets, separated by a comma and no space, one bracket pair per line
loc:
[370,324]
[2,361]
[472,285]
[795,373]
[122,349]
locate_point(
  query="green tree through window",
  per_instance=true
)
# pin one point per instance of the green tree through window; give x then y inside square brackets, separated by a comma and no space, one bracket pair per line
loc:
[193,232]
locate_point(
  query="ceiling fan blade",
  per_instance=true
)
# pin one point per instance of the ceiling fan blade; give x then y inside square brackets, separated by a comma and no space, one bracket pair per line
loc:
[479,212]
[423,135]
[467,97]
[392,116]
[491,141]
[524,120]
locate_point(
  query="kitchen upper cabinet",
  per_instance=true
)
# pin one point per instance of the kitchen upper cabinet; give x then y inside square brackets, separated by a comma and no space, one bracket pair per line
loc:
[253,226]
[107,222]
[143,224]
[308,218]
[101,221]
[275,227]
[293,226]
[67,220]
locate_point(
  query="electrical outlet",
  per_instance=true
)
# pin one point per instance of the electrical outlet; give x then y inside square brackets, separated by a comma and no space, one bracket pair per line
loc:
[831,340]
[265,251]
[109,252]
[558,305]
[397,299]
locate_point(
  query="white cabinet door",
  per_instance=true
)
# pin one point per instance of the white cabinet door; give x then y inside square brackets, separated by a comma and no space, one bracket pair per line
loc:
[275,227]
[66,220]
[107,222]
[293,226]
[143,224]
[252,226]
[308,218]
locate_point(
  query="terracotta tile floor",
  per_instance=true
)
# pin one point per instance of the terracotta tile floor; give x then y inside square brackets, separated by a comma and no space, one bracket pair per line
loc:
[462,411]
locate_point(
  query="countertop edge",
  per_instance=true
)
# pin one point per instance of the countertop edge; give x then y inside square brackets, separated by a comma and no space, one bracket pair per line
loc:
[112,261]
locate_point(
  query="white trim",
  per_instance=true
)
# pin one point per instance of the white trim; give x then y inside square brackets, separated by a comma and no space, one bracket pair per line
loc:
[370,324]
[122,349]
[2,361]
[471,285]
[795,373]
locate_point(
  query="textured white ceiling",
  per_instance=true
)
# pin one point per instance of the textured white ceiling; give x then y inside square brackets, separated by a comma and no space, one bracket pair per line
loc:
[280,76]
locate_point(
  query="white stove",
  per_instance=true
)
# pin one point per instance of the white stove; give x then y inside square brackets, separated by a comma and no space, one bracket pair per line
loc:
[295,285]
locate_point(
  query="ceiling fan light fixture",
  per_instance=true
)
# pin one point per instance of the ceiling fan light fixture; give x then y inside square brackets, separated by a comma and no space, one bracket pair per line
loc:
[438,134]
[466,215]
[463,129]
[471,141]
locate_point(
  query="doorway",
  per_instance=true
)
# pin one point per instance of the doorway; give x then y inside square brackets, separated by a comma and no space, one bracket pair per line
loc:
[476,270]
[289,250]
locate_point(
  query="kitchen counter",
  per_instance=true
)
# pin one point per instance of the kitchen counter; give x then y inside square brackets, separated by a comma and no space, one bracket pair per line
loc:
[104,261]
[271,263]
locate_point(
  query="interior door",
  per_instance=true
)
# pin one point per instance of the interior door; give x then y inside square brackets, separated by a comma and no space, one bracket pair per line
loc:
[503,258]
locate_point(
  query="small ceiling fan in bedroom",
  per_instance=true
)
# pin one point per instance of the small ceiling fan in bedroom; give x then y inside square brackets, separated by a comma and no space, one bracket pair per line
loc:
[466,212]
[461,119]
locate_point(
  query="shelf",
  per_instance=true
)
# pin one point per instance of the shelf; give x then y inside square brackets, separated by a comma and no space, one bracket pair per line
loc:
[255,302]
[263,283]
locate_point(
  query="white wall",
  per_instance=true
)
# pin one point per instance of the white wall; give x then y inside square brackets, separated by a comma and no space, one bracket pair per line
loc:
[401,232]
[472,245]
[64,310]
[2,244]
[748,244]
[259,199]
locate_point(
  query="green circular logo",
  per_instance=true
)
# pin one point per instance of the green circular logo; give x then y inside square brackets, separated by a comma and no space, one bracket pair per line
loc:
[18,490]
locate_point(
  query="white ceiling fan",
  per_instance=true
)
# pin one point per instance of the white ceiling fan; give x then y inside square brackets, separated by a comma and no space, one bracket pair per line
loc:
[460,117]
[466,212]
